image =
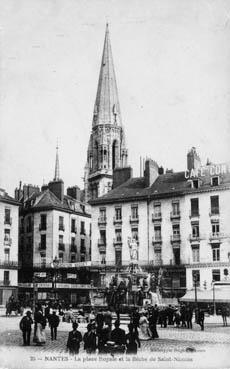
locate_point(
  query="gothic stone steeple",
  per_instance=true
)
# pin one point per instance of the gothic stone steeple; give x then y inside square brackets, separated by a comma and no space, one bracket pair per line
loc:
[107,149]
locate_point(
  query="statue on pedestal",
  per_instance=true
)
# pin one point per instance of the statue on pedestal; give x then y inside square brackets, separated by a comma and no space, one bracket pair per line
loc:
[133,249]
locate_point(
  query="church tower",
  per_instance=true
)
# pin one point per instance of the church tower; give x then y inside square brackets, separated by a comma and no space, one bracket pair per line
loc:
[107,148]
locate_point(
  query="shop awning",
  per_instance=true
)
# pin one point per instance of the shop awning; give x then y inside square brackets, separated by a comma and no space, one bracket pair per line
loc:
[220,294]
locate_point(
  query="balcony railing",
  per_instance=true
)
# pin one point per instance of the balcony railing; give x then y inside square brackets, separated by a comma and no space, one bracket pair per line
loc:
[134,219]
[8,221]
[156,239]
[175,238]
[73,248]
[5,283]
[9,263]
[117,241]
[194,238]
[175,215]
[117,220]
[61,246]
[7,241]
[61,227]
[42,246]
[217,235]
[156,217]
[194,214]
[42,227]
[102,220]
[214,211]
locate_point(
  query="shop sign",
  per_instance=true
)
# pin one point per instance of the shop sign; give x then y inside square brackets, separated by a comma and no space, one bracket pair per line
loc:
[70,275]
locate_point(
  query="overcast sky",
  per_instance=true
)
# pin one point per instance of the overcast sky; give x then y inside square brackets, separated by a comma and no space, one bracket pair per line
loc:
[172,63]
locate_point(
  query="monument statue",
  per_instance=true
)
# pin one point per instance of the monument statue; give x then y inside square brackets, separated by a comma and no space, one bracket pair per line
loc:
[133,249]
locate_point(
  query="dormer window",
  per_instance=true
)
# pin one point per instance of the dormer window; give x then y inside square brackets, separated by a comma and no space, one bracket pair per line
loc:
[195,183]
[215,181]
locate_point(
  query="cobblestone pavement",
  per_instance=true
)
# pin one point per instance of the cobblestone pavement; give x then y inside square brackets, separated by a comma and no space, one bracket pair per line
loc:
[169,338]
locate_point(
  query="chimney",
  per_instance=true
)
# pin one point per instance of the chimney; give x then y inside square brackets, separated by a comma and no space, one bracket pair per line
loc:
[57,187]
[44,187]
[74,192]
[193,160]
[121,175]
[151,172]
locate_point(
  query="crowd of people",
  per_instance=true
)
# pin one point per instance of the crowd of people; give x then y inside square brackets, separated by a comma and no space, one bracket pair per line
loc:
[101,336]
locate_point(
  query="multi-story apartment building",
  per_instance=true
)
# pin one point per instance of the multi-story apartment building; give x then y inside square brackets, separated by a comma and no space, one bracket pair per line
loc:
[9,209]
[54,241]
[181,222]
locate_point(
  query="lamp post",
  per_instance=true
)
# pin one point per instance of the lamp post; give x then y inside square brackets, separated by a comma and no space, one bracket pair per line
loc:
[214,300]
[35,289]
[54,265]
[195,285]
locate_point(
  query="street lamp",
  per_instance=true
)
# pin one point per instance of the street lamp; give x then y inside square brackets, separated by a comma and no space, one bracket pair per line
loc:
[54,265]
[35,290]
[214,300]
[195,285]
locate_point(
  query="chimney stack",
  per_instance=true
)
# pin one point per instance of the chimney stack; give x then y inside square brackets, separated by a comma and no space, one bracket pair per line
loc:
[121,175]
[193,160]
[151,172]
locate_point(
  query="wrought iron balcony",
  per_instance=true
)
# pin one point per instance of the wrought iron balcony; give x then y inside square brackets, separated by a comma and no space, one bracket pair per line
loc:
[7,241]
[5,283]
[102,221]
[214,211]
[42,227]
[117,241]
[194,214]
[133,219]
[175,215]
[157,217]
[8,220]
[9,264]
[195,238]
[117,220]
[217,236]
[42,246]
[73,248]
[175,238]
[101,245]
[61,246]
[157,239]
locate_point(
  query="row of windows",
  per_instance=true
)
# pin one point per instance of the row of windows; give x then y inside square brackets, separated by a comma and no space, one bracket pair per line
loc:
[214,203]
[216,275]
[61,243]
[72,258]
[61,225]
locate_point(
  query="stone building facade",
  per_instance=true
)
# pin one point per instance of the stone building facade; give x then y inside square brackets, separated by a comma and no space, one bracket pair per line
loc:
[9,215]
[181,222]
[54,241]
[107,148]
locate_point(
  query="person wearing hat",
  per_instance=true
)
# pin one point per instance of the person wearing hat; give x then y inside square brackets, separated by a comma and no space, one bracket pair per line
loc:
[118,335]
[74,340]
[25,326]
[90,339]
[132,340]
[53,323]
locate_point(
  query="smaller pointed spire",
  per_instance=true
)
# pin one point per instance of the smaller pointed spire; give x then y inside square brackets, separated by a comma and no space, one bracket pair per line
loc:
[57,169]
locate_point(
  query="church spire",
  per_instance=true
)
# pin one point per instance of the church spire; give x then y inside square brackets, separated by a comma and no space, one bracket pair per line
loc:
[57,169]
[107,107]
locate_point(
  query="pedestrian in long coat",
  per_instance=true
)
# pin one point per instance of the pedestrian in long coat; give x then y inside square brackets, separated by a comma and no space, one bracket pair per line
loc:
[74,340]
[25,326]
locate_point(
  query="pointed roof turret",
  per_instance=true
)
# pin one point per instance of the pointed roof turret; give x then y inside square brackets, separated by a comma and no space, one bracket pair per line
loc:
[57,169]
[107,107]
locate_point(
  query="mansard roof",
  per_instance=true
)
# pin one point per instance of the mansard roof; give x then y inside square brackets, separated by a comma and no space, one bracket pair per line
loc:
[165,186]
[46,200]
[4,197]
